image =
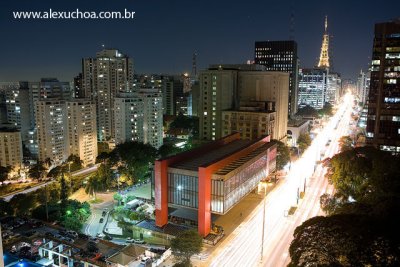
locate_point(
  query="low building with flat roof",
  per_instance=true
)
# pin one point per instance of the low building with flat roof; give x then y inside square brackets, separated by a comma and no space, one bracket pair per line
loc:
[211,179]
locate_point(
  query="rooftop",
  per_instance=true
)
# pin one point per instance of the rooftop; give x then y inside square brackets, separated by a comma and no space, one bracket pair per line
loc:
[212,155]
[242,160]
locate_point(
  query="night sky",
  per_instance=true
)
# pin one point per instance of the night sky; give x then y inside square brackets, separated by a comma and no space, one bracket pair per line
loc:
[164,34]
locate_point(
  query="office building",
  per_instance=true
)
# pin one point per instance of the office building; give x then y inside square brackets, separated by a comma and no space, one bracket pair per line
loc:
[81,123]
[51,130]
[104,77]
[250,121]
[77,86]
[211,179]
[363,82]
[383,122]
[223,87]
[312,87]
[18,108]
[333,87]
[152,116]
[281,56]
[10,147]
[129,116]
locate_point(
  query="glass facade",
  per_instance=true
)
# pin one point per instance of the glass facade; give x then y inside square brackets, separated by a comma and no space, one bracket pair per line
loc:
[226,193]
[183,190]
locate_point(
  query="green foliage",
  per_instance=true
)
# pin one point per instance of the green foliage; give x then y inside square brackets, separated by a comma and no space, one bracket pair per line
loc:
[23,203]
[282,156]
[186,122]
[37,170]
[307,111]
[344,240]
[362,229]
[4,171]
[167,150]
[135,159]
[303,141]
[73,163]
[186,244]
[5,208]
[75,214]
[327,110]
[345,143]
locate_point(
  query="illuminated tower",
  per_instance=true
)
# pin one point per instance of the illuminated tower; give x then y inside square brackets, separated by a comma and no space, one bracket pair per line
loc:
[324,57]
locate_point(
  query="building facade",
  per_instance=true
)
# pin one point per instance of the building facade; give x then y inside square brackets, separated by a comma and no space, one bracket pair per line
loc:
[51,130]
[224,87]
[383,122]
[363,83]
[129,116]
[105,76]
[152,116]
[312,87]
[281,56]
[10,148]
[82,131]
[250,122]
[333,88]
[213,178]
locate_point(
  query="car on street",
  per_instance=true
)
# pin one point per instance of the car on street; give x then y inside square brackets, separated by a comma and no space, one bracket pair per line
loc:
[101,220]
[108,237]
[104,213]
[100,235]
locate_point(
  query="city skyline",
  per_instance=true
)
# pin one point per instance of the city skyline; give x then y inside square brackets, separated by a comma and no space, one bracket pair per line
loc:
[162,36]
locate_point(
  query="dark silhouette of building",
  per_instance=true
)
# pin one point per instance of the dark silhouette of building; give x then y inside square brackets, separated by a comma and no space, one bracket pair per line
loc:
[383,122]
[281,56]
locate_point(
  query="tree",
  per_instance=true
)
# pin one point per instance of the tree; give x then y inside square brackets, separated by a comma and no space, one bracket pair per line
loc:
[345,143]
[74,163]
[5,208]
[4,171]
[303,141]
[307,111]
[167,150]
[75,214]
[48,162]
[345,240]
[93,185]
[23,203]
[185,245]
[117,197]
[135,158]
[63,191]
[327,110]
[186,122]
[37,170]
[282,156]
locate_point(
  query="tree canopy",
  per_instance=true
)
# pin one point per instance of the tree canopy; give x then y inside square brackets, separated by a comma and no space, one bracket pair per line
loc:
[4,171]
[307,111]
[344,240]
[185,245]
[362,226]
[282,156]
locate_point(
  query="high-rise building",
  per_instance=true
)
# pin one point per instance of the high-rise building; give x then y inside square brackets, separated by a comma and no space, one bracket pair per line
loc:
[81,123]
[281,56]
[312,87]
[363,82]
[78,88]
[383,122]
[251,121]
[52,130]
[10,147]
[128,121]
[223,87]
[333,87]
[152,116]
[104,77]
[18,109]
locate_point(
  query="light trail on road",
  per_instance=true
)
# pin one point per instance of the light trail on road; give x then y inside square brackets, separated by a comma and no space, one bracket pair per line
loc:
[243,246]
